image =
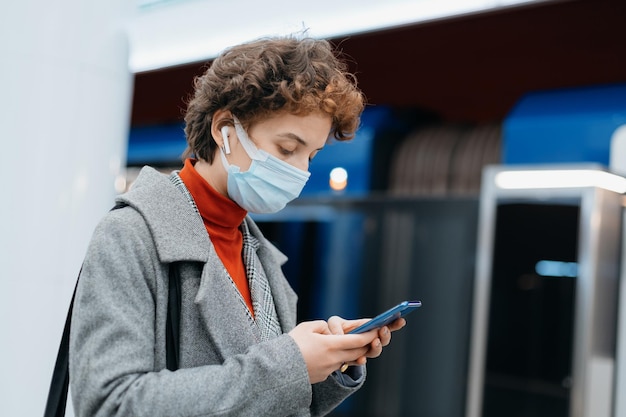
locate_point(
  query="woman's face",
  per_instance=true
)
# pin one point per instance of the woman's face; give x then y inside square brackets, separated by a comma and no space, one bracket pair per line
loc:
[293,139]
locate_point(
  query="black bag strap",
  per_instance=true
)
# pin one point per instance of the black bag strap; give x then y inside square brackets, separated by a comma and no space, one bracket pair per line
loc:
[57,395]
[172,331]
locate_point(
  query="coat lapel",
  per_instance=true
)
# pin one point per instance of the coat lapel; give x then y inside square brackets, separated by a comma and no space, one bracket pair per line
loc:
[223,310]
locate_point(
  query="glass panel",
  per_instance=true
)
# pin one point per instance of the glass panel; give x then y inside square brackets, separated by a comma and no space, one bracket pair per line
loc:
[529,344]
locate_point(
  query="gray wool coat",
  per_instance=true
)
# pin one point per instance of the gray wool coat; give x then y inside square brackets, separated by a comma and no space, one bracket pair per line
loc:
[117,339]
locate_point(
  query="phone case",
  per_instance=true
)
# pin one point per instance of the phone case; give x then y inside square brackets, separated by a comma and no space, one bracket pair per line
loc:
[383,319]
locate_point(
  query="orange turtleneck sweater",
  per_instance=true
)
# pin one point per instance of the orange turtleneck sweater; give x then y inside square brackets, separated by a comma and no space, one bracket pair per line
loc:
[222,218]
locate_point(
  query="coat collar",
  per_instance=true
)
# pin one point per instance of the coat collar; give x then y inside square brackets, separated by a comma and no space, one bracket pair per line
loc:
[176,227]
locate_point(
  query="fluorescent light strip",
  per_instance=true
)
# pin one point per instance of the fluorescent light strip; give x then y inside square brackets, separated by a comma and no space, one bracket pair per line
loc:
[548,268]
[573,178]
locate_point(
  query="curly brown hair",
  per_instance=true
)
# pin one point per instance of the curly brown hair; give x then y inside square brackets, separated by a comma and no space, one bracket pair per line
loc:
[266,76]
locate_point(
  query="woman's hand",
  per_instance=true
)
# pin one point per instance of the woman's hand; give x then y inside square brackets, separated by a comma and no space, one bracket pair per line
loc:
[324,352]
[338,325]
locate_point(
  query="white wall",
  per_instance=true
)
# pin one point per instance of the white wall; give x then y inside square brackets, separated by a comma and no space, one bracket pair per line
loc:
[64,111]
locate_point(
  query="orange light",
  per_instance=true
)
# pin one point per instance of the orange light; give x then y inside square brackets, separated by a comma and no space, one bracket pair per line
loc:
[338,179]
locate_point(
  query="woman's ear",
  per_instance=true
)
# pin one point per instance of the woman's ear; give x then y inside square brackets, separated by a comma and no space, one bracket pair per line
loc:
[221,119]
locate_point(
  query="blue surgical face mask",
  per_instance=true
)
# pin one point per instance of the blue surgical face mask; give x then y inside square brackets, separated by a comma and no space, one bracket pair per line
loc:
[268,185]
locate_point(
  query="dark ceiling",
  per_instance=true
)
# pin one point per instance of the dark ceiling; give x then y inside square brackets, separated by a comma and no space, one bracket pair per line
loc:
[472,68]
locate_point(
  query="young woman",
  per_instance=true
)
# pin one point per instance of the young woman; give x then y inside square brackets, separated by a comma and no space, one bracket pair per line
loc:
[259,114]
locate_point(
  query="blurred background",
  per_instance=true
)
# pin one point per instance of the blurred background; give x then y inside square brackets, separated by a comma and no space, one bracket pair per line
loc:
[520,289]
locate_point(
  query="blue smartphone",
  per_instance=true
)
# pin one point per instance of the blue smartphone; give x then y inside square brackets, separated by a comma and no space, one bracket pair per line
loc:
[383,319]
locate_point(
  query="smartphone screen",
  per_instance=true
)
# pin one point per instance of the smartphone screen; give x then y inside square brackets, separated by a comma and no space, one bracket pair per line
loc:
[389,316]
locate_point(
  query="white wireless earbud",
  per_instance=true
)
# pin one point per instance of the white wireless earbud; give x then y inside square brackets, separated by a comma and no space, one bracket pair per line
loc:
[225,140]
